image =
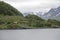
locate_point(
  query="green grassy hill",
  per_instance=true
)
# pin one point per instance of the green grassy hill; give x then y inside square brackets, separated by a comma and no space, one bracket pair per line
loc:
[38,22]
[6,9]
[11,18]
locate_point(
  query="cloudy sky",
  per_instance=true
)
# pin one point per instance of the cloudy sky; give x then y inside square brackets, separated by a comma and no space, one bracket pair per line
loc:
[33,5]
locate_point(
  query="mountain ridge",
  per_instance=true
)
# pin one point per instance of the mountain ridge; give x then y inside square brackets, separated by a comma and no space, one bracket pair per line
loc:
[6,9]
[52,13]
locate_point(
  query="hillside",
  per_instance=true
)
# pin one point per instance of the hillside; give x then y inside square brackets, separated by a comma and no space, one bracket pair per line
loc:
[6,9]
[11,18]
[38,22]
[33,17]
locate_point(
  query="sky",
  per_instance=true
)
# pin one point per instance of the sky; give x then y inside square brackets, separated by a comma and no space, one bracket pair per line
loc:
[33,5]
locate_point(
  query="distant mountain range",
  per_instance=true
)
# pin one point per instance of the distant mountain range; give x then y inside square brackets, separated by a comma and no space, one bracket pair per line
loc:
[34,13]
[53,13]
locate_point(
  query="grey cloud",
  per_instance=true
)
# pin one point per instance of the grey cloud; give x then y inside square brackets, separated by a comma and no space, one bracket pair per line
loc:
[43,7]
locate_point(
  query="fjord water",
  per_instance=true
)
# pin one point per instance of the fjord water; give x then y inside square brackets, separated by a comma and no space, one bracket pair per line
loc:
[30,34]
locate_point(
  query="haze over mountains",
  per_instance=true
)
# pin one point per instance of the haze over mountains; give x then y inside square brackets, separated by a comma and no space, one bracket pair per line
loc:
[53,13]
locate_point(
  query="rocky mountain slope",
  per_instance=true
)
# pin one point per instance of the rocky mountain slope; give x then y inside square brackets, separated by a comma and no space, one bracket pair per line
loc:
[52,13]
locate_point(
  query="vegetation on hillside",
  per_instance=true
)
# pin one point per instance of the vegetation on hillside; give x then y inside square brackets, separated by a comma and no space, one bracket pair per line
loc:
[38,22]
[11,18]
[6,9]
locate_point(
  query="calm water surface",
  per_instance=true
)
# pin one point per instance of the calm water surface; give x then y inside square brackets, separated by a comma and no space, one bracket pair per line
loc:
[30,34]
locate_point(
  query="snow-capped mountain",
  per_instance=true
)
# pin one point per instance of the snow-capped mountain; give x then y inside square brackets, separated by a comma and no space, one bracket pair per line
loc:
[39,13]
[35,13]
[25,14]
[52,13]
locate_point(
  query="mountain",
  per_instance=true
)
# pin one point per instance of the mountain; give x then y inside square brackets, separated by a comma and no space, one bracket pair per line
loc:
[25,14]
[34,13]
[7,9]
[57,17]
[52,13]
[11,18]
[39,13]
[34,21]
[33,17]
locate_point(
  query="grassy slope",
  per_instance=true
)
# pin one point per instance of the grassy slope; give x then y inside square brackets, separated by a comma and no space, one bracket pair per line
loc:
[11,18]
